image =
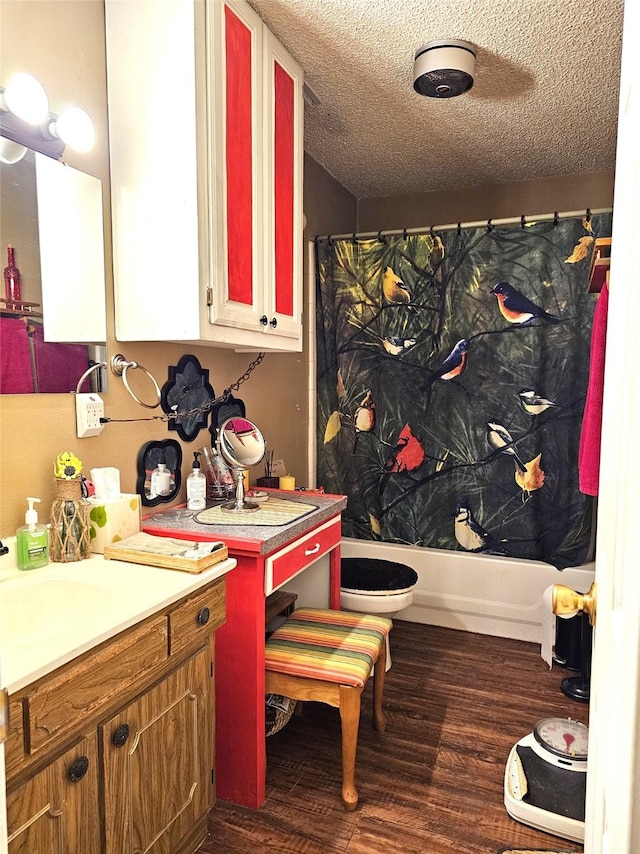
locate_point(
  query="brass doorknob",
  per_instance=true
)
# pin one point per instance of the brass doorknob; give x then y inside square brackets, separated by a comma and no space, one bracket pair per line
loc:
[565,602]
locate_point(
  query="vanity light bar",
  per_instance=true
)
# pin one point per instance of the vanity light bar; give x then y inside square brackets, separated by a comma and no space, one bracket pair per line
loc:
[25,120]
[23,134]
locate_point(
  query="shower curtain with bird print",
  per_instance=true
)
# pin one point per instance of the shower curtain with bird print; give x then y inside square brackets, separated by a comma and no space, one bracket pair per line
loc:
[452,373]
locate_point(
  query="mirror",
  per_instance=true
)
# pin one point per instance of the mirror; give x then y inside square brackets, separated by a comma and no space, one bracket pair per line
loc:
[159,471]
[53,323]
[242,445]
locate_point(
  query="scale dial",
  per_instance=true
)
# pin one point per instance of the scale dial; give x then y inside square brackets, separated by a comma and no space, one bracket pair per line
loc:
[563,737]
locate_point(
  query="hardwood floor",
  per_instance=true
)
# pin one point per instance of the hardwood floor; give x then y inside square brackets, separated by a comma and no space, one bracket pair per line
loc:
[456,703]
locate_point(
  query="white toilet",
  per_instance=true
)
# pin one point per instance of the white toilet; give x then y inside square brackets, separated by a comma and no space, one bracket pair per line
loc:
[373,586]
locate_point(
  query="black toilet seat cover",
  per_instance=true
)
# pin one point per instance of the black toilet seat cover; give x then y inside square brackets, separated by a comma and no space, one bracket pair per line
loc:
[373,574]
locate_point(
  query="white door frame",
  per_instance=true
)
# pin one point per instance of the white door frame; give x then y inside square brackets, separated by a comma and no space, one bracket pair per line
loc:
[4,843]
[613,808]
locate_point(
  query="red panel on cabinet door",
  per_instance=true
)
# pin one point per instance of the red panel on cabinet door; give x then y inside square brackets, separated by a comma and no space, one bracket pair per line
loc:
[238,160]
[283,189]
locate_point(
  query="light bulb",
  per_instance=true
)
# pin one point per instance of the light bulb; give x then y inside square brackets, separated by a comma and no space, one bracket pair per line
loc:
[25,98]
[75,128]
[11,152]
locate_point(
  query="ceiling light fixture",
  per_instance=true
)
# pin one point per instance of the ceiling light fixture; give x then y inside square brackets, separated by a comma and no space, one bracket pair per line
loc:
[25,122]
[444,68]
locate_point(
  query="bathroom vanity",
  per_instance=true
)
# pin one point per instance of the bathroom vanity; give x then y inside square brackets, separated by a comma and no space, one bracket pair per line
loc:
[267,556]
[111,706]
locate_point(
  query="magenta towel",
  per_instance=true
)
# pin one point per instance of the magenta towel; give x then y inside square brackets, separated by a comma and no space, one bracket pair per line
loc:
[15,361]
[59,366]
[589,452]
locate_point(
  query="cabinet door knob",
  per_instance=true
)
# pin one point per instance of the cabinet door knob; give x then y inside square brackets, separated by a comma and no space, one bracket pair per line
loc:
[78,769]
[273,322]
[203,617]
[121,735]
[264,320]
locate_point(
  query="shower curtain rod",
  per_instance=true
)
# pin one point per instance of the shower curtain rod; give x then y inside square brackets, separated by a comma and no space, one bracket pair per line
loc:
[489,223]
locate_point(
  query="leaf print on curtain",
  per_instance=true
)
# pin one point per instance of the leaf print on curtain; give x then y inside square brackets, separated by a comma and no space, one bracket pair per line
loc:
[452,373]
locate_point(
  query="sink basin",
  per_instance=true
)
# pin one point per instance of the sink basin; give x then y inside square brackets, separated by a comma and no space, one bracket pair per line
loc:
[34,609]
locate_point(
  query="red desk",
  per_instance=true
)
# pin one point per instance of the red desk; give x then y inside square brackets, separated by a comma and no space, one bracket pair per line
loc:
[268,557]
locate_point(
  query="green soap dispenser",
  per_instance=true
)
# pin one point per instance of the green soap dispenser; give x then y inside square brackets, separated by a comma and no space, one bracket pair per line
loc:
[32,540]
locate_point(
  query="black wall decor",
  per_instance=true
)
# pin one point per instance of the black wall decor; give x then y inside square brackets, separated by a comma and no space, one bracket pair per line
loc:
[167,451]
[230,407]
[185,392]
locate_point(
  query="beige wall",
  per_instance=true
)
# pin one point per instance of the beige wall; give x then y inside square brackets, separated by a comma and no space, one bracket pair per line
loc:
[62,43]
[469,204]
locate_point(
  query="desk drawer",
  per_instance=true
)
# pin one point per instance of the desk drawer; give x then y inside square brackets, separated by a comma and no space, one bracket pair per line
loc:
[198,616]
[292,559]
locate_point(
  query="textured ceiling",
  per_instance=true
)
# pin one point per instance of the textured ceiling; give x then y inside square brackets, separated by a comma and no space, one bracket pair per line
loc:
[544,101]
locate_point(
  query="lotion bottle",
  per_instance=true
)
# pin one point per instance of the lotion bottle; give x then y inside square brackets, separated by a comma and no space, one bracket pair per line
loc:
[32,540]
[196,486]
[160,479]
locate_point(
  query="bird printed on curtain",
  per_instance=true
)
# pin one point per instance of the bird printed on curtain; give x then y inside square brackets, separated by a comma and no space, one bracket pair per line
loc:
[393,288]
[500,439]
[471,536]
[532,403]
[517,308]
[453,366]
[395,346]
[364,419]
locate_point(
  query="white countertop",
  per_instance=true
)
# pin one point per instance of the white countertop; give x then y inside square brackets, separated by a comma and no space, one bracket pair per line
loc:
[51,615]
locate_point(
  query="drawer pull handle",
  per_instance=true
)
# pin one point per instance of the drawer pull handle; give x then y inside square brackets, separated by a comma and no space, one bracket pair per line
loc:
[203,617]
[264,320]
[314,550]
[78,769]
[121,735]
[273,322]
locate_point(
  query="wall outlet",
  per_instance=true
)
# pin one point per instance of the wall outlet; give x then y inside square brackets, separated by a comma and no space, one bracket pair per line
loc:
[89,411]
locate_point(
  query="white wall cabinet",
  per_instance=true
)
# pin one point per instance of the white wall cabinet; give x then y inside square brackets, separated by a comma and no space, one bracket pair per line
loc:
[206,144]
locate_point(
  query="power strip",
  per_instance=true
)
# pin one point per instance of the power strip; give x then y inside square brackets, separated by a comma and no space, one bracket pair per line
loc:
[89,411]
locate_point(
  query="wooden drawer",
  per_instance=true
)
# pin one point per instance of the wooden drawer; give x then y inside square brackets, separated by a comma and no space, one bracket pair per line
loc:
[60,703]
[197,617]
[292,559]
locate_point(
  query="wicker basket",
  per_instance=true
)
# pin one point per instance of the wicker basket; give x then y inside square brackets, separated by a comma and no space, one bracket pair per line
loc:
[278,712]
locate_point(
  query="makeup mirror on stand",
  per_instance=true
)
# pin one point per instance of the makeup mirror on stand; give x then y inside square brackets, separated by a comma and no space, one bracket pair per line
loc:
[242,445]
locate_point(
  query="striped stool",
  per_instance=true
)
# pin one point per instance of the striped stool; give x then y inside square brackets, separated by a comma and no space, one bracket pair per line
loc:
[327,656]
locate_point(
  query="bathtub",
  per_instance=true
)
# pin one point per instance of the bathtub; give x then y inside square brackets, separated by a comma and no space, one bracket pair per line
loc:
[476,593]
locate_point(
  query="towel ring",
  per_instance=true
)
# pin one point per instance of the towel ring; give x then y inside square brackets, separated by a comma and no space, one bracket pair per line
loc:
[120,366]
[96,366]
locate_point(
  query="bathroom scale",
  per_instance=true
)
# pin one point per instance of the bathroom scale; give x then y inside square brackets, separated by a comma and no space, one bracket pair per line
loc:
[545,780]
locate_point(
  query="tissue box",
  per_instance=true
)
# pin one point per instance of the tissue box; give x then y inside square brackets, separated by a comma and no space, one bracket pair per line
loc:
[111,520]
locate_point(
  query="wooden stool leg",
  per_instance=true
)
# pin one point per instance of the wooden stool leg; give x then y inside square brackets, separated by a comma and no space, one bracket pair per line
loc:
[379,717]
[350,717]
